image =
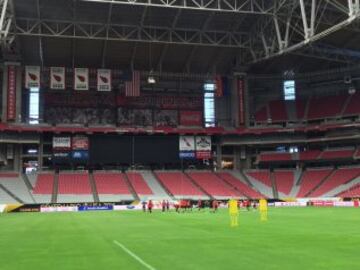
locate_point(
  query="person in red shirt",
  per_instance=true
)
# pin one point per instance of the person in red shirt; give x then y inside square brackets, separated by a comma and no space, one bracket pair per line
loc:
[215,205]
[199,204]
[150,206]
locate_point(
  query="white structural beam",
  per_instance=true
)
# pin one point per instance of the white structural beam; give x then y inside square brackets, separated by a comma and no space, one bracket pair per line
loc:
[123,32]
[295,26]
[264,7]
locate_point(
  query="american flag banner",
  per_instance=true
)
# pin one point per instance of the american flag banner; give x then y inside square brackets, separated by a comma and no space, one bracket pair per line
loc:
[132,87]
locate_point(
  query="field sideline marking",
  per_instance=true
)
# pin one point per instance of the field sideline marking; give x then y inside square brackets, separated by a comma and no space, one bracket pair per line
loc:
[132,254]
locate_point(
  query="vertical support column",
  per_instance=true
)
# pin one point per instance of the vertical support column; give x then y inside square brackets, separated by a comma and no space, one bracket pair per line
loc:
[234,103]
[40,152]
[17,157]
[239,100]
[218,155]
[237,158]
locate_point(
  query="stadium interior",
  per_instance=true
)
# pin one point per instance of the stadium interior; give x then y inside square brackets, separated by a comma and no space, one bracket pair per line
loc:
[277,101]
[122,104]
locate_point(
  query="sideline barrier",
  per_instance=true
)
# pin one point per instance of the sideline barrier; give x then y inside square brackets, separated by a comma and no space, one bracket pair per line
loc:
[290,204]
[95,208]
[50,209]
[2,208]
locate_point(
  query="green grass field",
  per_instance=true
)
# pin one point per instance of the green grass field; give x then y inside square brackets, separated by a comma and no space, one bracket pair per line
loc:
[309,238]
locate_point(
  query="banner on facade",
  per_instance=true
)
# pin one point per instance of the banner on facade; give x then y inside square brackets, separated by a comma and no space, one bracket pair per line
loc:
[81,79]
[187,147]
[61,143]
[104,80]
[203,147]
[11,93]
[57,78]
[32,77]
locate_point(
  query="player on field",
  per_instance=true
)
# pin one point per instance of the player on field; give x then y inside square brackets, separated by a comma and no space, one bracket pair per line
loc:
[199,204]
[233,212]
[215,205]
[150,206]
[163,206]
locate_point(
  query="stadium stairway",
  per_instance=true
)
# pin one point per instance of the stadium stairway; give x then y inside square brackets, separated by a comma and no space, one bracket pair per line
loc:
[240,186]
[354,182]
[14,183]
[158,191]
[93,187]
[55,188]
[131,187]
[346,103]
[243,178]
[6,198]
[342,179]
[321,182]
[273,185]
[11,195]
[28,185]
[198,186]
[296,187]
[261,187]
[163,187]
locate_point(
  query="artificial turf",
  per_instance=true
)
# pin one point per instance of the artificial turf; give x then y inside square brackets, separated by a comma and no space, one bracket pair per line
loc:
[293,238]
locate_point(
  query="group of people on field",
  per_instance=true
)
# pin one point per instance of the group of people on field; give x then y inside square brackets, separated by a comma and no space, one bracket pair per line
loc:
[186,205]
[165,206]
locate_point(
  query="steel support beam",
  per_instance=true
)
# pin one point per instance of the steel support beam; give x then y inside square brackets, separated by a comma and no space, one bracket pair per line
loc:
[262,7]
[123,32]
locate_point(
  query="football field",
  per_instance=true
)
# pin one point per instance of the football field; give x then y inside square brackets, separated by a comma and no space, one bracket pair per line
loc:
[308,238]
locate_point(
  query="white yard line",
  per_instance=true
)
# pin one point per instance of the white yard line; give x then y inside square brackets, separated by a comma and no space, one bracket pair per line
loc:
[132,254]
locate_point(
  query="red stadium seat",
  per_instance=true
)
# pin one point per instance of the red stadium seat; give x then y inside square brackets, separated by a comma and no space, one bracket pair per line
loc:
[340,177]
[139,184]
[213,185]
[278,111]
[353,107]
[262,176]
[74,183]
[111,183]
[325,107]
[178,184]
[310,179]
[284,181]
[240,186]
[44,184]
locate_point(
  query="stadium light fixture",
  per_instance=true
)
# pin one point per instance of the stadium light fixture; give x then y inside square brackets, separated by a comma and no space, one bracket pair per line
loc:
[151,79]
[352,90]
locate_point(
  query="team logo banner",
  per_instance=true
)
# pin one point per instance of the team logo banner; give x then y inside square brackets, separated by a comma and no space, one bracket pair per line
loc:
[104,80]
[187,147]
[11,93]
[32,77]
[81,79]
[61,143]
[203,147]
[80,143]
[57,78]
[190,118]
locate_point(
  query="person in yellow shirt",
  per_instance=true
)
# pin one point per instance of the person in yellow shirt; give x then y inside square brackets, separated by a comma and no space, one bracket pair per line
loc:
[263,208]
[233,212]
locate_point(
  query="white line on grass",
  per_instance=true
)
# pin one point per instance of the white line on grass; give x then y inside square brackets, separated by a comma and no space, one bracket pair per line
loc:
[132,254]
